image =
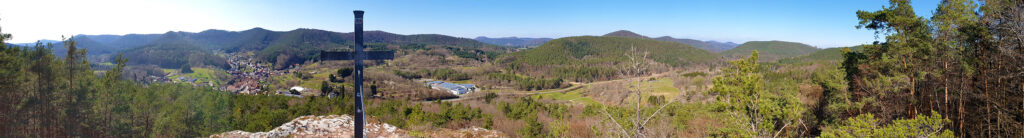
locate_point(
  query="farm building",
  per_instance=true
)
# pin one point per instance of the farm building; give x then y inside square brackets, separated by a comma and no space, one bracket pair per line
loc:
[456,89]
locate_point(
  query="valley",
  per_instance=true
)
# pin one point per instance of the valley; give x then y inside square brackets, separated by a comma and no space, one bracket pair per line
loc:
[679,75]
[566,71]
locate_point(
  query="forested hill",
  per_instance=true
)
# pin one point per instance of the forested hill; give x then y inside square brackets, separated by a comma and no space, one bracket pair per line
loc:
[770,50]
[292,46]
[586,58]
[303,44]
[834,54]
[101,44]
[711,46]
[173,51]
[626,33]
[101,47]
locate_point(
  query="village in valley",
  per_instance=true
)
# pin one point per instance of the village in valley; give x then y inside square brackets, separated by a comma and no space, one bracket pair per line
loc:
[251,77]
[247,75]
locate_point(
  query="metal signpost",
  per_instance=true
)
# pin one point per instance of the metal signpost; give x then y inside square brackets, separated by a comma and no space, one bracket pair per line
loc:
[357,56]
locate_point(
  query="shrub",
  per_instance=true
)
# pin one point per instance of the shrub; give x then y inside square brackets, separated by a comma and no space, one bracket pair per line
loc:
[186,68]
[866,125]
[489,97]
[345,72]
[695,74]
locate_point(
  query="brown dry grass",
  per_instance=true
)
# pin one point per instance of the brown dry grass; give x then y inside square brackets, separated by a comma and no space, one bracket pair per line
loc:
[810,94]
[613,93]
[699,126]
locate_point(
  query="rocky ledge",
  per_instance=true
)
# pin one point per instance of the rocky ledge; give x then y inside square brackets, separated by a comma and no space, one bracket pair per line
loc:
[341,126]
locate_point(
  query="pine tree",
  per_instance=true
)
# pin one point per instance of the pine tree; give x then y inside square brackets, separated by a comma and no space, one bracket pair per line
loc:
[186,68]
[904,54]
[754,110]
[326,88]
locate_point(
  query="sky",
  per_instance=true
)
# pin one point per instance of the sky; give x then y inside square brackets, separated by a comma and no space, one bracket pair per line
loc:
[820,23]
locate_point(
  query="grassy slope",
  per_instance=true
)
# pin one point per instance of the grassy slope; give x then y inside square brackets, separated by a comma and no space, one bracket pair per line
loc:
[770,50]
[574,96]
[658,87]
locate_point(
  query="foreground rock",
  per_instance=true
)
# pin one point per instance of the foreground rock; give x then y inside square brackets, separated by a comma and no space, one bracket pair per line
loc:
[341,126]
[473,132]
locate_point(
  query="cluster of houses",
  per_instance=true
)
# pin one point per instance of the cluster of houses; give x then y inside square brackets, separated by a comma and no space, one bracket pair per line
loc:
[164,79]
[456,89]
[187,80]
[247,75]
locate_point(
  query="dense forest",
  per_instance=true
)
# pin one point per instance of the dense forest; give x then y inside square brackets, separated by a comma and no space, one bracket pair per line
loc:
[828,54]
[174,55]
[957,73]
[964,63]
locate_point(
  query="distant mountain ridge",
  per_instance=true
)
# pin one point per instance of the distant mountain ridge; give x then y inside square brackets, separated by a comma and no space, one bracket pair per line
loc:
[722,45]
[834,54]
[44,41]
[293,46]
[712,46]
[513,41]
[626,33]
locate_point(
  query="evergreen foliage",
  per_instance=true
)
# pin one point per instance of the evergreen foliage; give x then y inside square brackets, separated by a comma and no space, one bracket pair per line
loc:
[490,96]
[186,68]
[404,114]
[828,54]
[527,83]
[754,110]
[345,72]
[526,109]
[956,64]
[440,74]
[173,55]
[866,125]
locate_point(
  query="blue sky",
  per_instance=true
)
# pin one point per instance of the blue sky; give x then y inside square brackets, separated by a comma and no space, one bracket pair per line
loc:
[820,23]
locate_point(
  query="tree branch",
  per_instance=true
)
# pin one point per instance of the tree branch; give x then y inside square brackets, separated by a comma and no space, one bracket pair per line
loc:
[656,112]
[605,111]
[780,130]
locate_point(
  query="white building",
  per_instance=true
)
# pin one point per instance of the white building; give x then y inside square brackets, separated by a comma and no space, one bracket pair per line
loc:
[456,89]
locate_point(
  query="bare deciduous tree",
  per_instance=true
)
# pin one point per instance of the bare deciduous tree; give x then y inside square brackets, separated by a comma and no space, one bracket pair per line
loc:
[635,69]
